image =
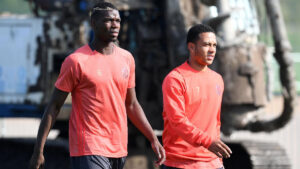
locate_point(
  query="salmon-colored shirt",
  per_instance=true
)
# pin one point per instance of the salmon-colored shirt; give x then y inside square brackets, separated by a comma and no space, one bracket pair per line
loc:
[98,84]
[191,113]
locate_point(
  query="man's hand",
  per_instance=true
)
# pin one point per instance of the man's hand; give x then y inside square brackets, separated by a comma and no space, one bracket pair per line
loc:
[220,149]
[159,152]
[137,116]
[37,161]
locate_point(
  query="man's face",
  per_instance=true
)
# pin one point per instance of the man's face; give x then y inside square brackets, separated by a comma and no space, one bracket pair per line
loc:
[107,25]
[203,51]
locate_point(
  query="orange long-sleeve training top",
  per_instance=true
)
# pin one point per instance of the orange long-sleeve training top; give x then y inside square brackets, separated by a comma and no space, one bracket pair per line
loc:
[191,112]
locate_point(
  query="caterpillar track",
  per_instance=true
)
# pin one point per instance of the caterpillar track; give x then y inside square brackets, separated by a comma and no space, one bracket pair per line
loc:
[257,155]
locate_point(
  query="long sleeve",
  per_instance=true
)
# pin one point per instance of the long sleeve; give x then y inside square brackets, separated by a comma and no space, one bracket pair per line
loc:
[175,113]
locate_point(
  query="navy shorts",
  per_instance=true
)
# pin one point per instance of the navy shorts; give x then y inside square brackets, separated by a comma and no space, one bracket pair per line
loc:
[97,162]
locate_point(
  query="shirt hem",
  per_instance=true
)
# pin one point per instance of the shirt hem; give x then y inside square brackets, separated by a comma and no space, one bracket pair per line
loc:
[194,163]
[101,154]
[62,89]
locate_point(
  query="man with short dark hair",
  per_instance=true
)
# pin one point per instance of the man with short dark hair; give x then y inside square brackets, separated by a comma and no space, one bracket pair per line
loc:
[192,96]
[101,78]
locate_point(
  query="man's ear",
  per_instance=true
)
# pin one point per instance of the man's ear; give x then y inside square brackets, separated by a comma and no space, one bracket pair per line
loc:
[191,46]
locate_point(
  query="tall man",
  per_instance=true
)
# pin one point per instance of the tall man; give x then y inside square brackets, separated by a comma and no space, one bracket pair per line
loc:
[192,95]
[101,78]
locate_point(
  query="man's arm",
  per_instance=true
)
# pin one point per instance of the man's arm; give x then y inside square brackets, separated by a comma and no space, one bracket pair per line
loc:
[137,116]
[57,100]
[175,113]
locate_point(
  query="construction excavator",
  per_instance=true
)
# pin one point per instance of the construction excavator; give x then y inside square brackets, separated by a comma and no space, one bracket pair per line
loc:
[154,32]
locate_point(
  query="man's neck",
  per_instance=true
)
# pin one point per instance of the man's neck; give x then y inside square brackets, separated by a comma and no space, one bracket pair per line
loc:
[196,66]
[105,48]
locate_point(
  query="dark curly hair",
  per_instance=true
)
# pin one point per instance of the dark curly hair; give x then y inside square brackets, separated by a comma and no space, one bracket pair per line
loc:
[192,35]
[101,6]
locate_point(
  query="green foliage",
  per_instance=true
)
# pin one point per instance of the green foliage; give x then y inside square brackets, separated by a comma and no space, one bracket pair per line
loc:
[294,36]
[291,12]
[14,6]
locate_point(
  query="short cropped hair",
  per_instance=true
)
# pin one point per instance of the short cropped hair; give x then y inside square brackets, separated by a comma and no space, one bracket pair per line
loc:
[101,6]
[193,33]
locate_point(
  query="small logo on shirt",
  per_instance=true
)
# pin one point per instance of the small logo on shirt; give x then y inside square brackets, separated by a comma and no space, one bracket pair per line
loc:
[125,72]
[218,90]
[99,73]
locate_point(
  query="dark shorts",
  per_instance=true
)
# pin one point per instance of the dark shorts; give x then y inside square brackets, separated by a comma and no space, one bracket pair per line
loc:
[97,162]
[167,167]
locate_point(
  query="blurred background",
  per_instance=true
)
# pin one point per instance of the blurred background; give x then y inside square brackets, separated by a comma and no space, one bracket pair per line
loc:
[258,56]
